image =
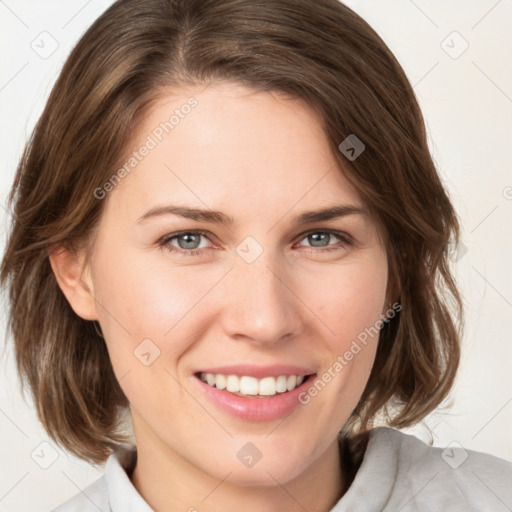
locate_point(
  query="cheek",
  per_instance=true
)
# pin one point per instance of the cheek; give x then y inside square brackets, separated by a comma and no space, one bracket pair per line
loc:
[352,300]
[144,300]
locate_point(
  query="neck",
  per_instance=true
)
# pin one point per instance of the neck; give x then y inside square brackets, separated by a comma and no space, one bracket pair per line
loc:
[169,482]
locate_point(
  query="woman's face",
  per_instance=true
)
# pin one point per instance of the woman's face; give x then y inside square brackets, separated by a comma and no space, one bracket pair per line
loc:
[267,296]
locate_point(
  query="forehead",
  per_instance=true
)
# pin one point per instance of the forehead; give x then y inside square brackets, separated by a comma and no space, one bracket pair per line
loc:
[229,147]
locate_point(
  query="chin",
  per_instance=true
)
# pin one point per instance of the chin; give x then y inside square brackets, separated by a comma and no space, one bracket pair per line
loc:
[262,473]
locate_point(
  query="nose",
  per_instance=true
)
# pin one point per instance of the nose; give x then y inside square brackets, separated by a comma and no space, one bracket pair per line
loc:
[260,304]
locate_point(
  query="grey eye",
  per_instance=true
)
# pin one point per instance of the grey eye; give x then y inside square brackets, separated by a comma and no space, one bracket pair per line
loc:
[319,239]
[189,240]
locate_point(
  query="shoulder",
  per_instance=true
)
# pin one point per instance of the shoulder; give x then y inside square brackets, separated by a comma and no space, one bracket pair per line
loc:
[112,492]
[428,476]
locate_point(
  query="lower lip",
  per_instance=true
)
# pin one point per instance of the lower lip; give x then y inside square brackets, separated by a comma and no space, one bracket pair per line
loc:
[255,409]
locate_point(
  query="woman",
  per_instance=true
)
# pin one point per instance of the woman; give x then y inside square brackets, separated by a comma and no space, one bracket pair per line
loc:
[241,195]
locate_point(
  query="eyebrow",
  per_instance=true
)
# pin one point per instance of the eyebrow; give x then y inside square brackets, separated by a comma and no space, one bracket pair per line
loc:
[216,217]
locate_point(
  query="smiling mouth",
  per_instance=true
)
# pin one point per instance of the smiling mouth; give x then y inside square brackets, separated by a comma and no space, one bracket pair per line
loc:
[247,386]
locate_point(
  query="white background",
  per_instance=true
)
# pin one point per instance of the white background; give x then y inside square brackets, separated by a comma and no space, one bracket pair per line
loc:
[468,109]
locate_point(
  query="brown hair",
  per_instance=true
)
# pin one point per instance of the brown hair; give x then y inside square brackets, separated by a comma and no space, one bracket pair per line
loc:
[320,52]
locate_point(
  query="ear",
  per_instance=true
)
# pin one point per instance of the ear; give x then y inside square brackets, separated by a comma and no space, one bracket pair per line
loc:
[74,279]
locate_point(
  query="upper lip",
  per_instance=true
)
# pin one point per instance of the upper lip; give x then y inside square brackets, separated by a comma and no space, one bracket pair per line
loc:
[259,371]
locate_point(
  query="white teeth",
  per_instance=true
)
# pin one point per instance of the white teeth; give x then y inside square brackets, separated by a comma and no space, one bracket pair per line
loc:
[232,383]
[267,386]
[291,383]
[220,381]
[244,386]
[248,385]
[281,384]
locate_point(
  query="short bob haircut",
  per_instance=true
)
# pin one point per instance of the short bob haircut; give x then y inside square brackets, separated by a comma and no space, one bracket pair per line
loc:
[137,51]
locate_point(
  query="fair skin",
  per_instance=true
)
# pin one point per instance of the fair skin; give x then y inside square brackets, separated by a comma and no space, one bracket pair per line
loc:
[263,160]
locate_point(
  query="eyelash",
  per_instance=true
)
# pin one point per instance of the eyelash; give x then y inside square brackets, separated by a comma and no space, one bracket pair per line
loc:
[164,242]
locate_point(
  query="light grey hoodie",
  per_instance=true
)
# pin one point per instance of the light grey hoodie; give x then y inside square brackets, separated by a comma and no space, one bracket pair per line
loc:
[399,473]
